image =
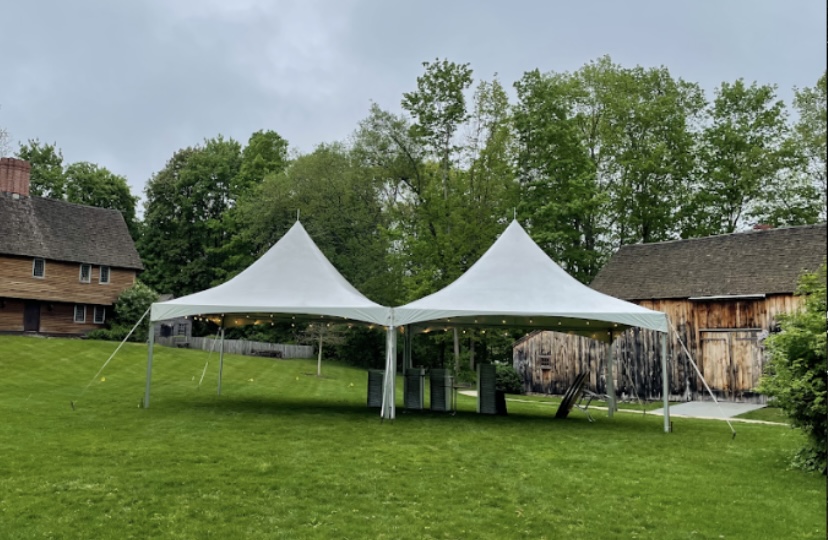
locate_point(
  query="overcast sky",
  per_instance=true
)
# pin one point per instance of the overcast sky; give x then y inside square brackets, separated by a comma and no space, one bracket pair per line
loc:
[126,84]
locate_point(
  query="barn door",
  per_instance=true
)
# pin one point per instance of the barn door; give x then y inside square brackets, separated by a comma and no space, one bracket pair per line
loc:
[746,361]
[31,317]
[716,360]
[732,361]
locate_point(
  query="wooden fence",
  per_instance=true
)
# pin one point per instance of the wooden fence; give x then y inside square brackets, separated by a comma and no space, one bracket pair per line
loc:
[240,346]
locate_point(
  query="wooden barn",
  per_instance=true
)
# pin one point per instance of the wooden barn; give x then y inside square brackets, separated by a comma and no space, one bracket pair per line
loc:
[62,265]
[723,295]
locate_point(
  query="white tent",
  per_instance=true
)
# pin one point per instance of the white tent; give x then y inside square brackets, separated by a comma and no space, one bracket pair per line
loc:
[294,277]
[515,284]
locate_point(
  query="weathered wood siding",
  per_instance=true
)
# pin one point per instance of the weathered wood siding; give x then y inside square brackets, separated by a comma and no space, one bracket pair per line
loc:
[61,282]
[11,315]
[724,338]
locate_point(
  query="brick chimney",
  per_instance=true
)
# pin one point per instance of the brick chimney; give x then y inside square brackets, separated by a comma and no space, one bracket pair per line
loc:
[14,176]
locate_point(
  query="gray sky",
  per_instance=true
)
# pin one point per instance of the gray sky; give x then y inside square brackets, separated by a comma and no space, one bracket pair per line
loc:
[126,84]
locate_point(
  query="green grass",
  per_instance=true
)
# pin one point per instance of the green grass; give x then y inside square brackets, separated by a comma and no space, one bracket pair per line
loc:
[767,414]
[284,454]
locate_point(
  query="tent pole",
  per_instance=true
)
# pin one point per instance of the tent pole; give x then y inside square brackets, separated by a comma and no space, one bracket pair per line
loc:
[387,412]
[221,358]
[149,366]
[319,358]
[610,380]
[665,382]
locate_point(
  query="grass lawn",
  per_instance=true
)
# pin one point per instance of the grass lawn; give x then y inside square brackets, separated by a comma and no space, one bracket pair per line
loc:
[284,454]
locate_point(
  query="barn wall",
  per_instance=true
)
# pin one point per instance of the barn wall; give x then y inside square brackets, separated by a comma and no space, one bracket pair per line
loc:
[11,315]
[723,337]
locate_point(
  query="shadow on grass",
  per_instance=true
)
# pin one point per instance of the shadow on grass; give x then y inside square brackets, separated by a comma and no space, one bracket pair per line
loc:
[288,407]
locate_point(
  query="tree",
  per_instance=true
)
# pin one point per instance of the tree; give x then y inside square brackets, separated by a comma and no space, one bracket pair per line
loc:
[93,185]
[811,136]
[743,157]
[47,175]
[561,199]
[130,306]
[796,375]
[184,210]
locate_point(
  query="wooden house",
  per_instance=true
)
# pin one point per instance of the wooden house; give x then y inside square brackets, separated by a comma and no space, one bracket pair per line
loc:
[723,295]
[62,265]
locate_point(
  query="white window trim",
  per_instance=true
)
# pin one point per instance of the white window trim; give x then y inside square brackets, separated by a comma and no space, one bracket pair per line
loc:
[75,316]
[108,275]
[34,267]
[102,311]
[88,275]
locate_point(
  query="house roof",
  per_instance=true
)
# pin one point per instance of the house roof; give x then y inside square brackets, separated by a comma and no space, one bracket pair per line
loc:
[62,231]
[744,263]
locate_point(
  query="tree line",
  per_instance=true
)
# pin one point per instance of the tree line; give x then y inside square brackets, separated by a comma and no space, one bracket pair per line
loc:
[587,161]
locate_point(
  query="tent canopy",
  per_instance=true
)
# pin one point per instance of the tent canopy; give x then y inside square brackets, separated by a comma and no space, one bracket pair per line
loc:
[293,277]
[516,284]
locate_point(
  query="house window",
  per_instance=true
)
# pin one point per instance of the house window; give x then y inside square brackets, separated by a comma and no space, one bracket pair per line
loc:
[39,268]
[182,329]
[100,315]
[85,273]
[104,277]
[80,313]
[545,361]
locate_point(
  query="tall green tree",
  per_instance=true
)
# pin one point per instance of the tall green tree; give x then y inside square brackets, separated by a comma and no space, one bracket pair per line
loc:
[47,176]
[339,206]
[184,228]
[561,199]
[644,125]
[744,157]
[811,138]
[93,185]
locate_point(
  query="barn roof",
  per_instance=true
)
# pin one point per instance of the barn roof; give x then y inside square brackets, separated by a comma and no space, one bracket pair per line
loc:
[62,231]
[744,263]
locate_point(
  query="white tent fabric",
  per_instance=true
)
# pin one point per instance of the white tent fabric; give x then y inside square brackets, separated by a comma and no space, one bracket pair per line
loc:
[516,284]
[293,277]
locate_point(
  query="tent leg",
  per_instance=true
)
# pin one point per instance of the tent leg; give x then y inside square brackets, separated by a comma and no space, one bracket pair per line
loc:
[665,383]
[388,411]
[149,366]
[610,378]
[221,360]
[319,358]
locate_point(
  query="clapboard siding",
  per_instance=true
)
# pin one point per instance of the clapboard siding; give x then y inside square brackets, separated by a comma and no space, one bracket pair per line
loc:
[724,338]
[11,315]
[61,282]
[55,317]
[61,320]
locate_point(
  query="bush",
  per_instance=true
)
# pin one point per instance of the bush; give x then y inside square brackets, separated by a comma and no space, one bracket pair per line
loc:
[795,375]
[130,306]
[508,379]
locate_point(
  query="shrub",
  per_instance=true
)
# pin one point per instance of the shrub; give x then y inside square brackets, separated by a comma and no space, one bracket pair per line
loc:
[508,379]
[130,306]
[795,375]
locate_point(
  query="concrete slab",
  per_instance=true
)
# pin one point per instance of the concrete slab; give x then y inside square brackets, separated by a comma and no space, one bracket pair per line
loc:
[708,409]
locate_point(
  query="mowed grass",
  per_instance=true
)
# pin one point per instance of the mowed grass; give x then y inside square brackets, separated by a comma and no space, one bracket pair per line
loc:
[284,454]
